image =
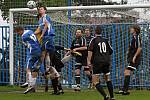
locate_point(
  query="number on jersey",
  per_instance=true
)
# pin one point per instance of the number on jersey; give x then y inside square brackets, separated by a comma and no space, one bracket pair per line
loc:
[102,47]
[33,37]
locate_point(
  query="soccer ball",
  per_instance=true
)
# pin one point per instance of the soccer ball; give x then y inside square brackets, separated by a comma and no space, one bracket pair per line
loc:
[31,4]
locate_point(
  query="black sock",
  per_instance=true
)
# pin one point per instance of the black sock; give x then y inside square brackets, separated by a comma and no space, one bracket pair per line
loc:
[90,78]
[78,79]
[59,86]
[46,85]
[55,85]
[126,83]
[100,89]
[110,88]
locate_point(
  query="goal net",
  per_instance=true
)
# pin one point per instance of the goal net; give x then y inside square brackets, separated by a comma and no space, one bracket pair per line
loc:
[115,21]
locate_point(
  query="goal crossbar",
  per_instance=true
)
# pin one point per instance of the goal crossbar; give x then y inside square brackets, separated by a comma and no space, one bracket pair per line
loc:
[86,7]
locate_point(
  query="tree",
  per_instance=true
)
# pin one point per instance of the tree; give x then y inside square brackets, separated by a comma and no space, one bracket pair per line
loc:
[5,5]
[94,2]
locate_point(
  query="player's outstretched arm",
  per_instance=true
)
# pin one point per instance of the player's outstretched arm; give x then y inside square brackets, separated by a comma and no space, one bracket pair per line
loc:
[80,48]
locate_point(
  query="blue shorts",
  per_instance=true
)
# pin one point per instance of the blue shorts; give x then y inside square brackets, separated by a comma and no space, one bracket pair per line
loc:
[47,43]
[32,61]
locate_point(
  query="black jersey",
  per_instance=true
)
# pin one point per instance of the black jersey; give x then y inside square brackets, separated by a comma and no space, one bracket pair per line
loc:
[79,42]
[101,50]
[134,45]
[88,39]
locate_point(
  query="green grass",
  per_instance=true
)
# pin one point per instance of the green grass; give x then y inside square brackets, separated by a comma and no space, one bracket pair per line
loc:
[16,93]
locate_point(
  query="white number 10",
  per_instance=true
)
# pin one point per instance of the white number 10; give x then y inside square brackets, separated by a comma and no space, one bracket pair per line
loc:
[102,47]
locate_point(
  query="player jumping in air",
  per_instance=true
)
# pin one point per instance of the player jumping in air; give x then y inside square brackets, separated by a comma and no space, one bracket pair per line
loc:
[99,51]
[47,37]
[30,40]
[134,54]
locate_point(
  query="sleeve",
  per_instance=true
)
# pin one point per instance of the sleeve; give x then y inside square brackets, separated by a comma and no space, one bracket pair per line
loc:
[139,42]
[72,45]
[91,45]
[109,48]
[24,41]
[83,42]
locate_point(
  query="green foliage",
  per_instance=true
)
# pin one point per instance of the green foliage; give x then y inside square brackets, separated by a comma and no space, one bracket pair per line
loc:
[5,5]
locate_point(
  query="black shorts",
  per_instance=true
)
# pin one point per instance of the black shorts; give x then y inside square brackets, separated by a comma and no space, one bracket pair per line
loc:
[99,68]
[133,66]
[81,61]
[56,62]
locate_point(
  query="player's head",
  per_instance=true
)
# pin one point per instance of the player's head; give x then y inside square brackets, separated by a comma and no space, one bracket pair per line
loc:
[87,31]
[135,29]
[98,30]
[78,33]
[19,30]
[42,10]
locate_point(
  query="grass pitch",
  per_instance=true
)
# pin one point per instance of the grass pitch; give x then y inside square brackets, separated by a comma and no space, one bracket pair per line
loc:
[16,93]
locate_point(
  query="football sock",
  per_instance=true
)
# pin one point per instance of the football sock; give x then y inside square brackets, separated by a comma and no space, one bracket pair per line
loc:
[126,83]
[59,86]
[33,82]
[55,84]
[100,89]
[110,88]
[77,79]
[30,79]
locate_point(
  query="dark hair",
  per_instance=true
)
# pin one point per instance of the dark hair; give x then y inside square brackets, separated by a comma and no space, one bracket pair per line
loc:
[43,7]
[136,28]
[87,28]
[79,29]
[98,30]
[18,28]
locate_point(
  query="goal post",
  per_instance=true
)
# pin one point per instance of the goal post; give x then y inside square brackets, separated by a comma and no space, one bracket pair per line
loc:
[115,21]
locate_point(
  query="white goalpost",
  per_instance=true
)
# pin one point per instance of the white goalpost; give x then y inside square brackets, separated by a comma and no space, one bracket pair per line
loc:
[115,20]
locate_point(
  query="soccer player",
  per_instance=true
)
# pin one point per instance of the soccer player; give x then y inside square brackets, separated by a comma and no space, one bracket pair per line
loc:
[88,37]
[56,62]
[79,45]
[47,37]
[134,54]
[30,40]
[100,50]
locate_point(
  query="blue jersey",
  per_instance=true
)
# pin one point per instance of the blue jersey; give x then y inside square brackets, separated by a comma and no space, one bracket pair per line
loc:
[46,19]
[30,40]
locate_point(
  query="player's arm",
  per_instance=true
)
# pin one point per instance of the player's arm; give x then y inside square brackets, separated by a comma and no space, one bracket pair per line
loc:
[90,52]
[80,48]
[83,46]
[138,52]
[45,28]
[109,48]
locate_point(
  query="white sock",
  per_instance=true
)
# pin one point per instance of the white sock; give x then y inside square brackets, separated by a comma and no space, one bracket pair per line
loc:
[33,82]
[30,79]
